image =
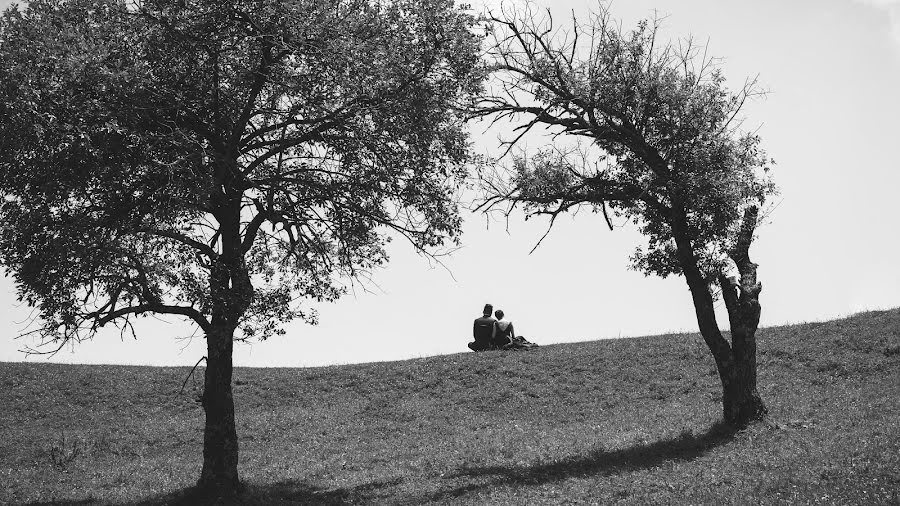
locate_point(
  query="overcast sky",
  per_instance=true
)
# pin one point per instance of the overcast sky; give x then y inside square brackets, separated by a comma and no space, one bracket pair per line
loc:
[830,248]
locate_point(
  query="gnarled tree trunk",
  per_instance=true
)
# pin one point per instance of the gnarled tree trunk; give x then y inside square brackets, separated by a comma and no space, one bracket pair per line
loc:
[742,402]
[735,362]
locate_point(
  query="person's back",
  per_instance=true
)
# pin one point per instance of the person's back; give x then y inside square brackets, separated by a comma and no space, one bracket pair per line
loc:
[505,333]
[483,330]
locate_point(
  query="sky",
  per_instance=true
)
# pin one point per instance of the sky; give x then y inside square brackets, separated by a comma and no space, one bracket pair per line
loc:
[828,249]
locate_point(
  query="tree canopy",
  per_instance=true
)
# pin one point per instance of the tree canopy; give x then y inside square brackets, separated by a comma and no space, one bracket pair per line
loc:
[660,125]
[132,129]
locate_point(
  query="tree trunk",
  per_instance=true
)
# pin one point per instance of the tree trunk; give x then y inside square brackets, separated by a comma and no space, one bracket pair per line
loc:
[735,363]
[742,402]
[231,293]
[220,444]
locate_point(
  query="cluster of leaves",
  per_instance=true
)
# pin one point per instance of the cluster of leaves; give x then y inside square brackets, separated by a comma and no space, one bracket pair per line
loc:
[663,133]
[141,137]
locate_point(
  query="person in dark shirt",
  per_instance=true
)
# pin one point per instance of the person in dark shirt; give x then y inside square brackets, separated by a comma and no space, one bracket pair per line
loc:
[484,330]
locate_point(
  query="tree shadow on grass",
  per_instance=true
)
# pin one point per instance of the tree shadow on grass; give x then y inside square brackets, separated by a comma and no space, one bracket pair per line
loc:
[82,502]
[598,462]
[284,492]
[467,479]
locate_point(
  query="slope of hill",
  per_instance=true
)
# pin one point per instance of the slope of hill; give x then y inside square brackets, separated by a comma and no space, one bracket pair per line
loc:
[631,420]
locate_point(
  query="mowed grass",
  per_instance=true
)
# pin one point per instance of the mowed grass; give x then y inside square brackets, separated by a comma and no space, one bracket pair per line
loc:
[631,421]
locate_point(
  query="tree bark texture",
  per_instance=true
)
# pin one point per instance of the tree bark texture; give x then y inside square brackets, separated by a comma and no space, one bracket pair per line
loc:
[220,444]
[735,362]
[232,292]
[743,403]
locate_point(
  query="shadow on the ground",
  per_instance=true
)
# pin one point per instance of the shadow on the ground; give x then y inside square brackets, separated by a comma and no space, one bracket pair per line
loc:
[465,480]
[281,493]
[599,462]
[83,502]
[284,492]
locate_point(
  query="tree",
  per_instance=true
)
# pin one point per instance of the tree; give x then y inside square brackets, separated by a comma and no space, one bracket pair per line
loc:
[663,149]
[222,160]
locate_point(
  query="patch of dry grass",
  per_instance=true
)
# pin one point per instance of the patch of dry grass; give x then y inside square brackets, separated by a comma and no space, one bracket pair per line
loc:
[632,421]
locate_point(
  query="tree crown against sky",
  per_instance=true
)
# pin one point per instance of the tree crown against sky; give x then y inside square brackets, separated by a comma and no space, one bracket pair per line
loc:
[652,122]
[132,128]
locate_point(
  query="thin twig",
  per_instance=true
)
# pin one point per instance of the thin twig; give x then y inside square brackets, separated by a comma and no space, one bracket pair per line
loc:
[190,374]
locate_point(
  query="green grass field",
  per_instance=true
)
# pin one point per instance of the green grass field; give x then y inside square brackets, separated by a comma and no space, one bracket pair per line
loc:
[631,421]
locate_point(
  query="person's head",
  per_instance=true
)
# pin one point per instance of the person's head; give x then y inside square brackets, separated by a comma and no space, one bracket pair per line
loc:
[487,310]
[498,314]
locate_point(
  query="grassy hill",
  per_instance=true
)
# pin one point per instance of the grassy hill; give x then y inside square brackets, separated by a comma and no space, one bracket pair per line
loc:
[631,420]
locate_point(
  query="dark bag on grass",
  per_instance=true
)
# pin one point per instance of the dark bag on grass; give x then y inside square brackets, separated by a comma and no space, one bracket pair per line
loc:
[520,343]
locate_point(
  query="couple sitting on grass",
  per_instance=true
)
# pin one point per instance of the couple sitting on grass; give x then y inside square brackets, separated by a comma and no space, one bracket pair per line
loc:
[496,333]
